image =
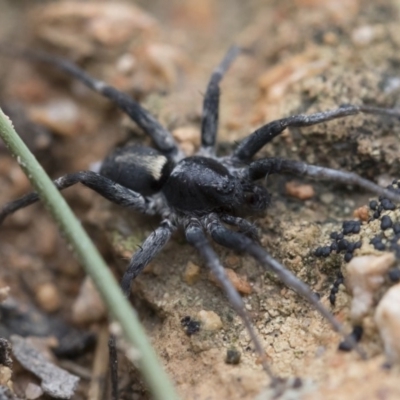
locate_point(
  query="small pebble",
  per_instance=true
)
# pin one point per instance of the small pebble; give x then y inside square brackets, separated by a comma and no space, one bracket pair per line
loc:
[210,321]
[365,274]
[300,191]
[192,273]
[362,213]
[239,282]
[387,318]
[33,391]
[47,297]
[88,306]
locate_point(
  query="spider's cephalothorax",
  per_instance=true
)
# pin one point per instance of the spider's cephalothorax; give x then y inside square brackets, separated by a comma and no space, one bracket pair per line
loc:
[196,185]
[203,193]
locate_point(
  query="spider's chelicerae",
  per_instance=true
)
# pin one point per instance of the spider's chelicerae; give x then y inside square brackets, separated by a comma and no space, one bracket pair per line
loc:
[204,193]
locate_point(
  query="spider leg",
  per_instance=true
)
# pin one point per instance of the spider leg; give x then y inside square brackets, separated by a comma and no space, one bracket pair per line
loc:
[245,227]
[149,249]
[105,187]
[196,237]
[161,137]
[239,242]
[260,168]
[249,146]
[209,123]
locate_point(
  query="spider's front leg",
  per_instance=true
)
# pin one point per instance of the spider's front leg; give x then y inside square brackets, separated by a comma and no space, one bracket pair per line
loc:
[143,118]
[209,122]
[262,168]
[250,145]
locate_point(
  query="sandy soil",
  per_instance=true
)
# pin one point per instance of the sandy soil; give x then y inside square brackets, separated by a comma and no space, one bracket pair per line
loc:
[304,56]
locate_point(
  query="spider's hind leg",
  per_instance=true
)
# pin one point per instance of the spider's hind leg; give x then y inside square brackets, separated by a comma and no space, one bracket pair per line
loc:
[197,238]
[149,249]
[263,167]
[239,242]
[107,188]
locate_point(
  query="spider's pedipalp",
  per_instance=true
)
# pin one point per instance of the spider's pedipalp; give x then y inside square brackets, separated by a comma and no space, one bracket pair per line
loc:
[196,237]
[239,242]
[209,123]
[143,118]
[107,188]
[250,145]
[261,168]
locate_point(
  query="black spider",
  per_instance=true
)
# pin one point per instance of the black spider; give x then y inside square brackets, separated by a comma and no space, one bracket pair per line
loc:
[202,193]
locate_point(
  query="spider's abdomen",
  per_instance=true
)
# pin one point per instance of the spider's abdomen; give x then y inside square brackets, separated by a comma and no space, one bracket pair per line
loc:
[139,168]
[202,185]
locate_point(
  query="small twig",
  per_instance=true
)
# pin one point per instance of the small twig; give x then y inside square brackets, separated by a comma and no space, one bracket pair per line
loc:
[100,366]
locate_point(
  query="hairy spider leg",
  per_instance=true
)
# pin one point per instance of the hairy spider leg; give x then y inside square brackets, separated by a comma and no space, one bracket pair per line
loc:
[263,167]
[209,122]
[107,188]
[148,250]
[196,237]
[244,226]
[143,118]
[238,242]
[250,145]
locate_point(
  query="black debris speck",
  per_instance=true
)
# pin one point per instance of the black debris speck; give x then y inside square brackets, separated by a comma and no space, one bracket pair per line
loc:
[348,256]
[343,245]
[322,251]
[373,205]
[394,275]
[376,214]
[233,356]
[191,326]
[387,204]
[333,235]
[386,222]
[351,227]
[335,288]
[377,243]
[356,335]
